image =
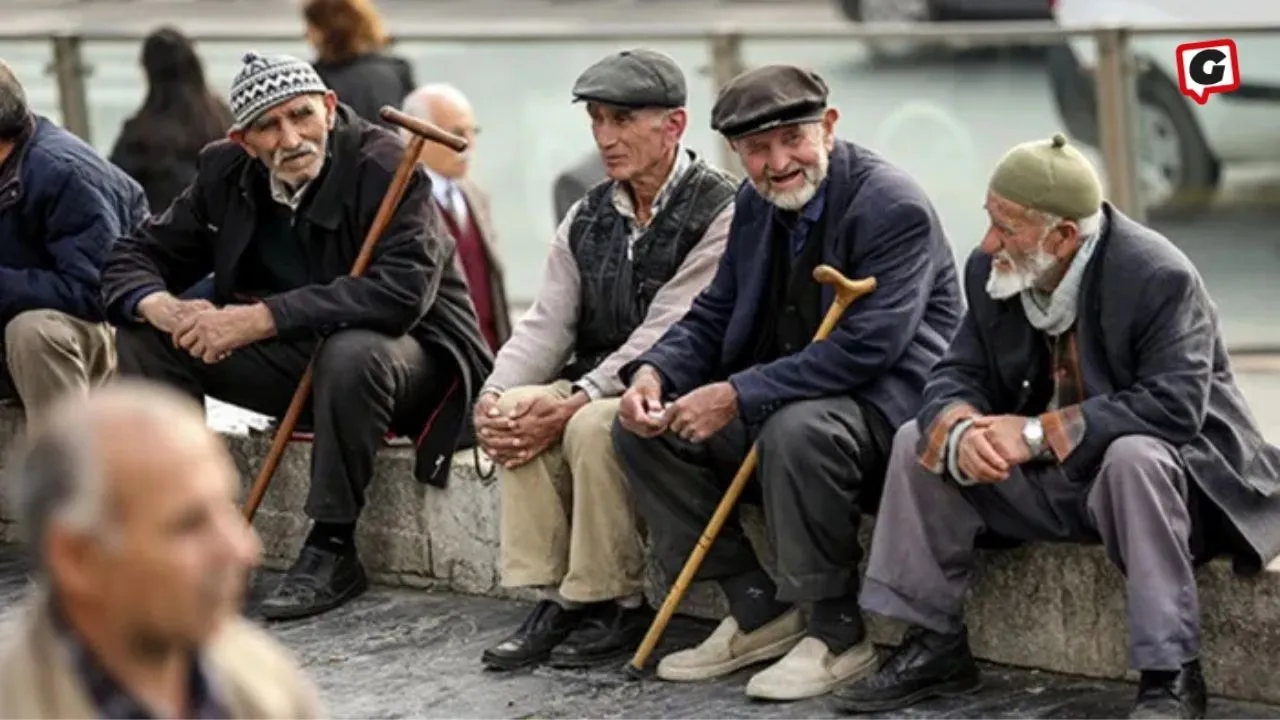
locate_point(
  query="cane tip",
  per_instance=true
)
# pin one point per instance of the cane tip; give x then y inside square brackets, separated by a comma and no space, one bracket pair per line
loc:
[633,673]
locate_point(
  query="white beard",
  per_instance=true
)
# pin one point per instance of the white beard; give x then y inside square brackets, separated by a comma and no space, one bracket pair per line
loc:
[798,198]
[1006,284]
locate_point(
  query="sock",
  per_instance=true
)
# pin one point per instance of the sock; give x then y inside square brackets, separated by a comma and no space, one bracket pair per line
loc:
[838,623]
[334,537]
[631,602]
[554,596]
[753,599]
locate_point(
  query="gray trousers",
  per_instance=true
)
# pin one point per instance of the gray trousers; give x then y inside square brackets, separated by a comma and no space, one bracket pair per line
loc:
[922,551]
[363,379]
[815,456]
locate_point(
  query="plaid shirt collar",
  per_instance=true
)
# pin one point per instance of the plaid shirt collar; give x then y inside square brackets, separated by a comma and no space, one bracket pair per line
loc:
[114,702]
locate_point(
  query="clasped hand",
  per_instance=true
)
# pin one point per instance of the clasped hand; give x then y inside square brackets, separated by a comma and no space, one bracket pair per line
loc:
[695,416]
[207,332]
[991,447]
[514,438]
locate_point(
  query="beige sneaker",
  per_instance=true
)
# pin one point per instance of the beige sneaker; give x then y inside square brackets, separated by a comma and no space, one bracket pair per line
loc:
[728,649]
[810,670]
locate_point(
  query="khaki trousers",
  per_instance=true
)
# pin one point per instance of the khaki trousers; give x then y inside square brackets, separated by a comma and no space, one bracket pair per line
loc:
[48,353]
[568,519]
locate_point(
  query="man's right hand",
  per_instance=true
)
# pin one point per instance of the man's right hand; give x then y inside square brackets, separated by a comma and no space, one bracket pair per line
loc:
[166,312]
[640,410]
[490,424]
[978,457]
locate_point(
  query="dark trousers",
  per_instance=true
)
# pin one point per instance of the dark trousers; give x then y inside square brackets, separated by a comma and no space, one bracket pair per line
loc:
[818,459]
[363,382]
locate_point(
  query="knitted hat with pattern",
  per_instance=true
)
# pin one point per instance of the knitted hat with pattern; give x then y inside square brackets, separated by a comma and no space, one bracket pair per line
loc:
[268,80]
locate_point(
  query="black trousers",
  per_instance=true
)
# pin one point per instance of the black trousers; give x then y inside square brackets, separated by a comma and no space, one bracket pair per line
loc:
[363,382]
[820,461]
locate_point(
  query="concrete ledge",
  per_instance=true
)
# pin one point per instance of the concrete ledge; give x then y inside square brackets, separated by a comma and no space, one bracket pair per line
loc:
[1052,607]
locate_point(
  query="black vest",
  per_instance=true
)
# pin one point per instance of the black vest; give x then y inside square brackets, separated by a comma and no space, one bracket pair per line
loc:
[793,308]
[615,291]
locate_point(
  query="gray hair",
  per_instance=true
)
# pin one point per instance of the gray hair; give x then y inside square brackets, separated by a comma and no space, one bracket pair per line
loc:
[13,103]
[1089,226]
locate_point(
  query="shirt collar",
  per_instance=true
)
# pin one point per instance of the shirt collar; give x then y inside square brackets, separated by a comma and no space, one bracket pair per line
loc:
[625,206]
[441,187]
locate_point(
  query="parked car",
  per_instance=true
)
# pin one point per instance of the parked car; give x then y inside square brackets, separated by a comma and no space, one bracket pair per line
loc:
[1182,146]
[943,10]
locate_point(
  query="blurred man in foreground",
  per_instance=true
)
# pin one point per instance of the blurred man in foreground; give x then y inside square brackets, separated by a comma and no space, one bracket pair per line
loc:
[128,502]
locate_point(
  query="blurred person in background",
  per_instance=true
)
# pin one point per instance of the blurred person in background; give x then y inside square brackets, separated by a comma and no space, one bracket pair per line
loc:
[575,181]
[350,42]
[158,146]
[128,502]
[464,206]
[61,207]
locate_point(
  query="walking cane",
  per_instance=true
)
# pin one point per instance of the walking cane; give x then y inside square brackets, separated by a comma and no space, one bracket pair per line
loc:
[846,291]
[420,132]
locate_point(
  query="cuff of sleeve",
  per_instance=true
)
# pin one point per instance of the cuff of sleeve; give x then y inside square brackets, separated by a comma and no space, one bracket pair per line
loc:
[933,454]
[1063,430]
[131,301]
[953,451]
[589,387]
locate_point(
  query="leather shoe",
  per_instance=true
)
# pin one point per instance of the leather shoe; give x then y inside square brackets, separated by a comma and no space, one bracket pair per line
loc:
[1172,695]
[546,627]
[925,665]
[609,632]
[320,580]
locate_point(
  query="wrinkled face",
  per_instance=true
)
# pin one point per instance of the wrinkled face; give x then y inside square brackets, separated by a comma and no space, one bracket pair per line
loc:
[290,138]
[1026,252]
[171,562]
[460,121]
[787,164]
[634,141]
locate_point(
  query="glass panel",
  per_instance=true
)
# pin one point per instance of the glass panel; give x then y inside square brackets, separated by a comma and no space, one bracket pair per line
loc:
[1210,178]
[530,131]
[32,62]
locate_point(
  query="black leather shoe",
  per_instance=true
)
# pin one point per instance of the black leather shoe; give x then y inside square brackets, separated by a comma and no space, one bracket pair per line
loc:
[319,581]
[1183,695]
[546,627]
[926,665]
[608,633]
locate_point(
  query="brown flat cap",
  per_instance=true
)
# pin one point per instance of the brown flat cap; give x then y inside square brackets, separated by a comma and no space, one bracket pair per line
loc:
[768,97]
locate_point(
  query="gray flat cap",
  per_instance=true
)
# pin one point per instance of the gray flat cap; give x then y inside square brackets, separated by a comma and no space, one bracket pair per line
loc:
[633,78]
[768,97]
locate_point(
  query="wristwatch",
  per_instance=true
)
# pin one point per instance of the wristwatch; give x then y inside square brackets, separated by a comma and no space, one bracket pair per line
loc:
[1033,433]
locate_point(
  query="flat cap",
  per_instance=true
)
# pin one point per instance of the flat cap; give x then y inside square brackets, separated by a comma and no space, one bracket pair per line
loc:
[1050,176]
[639,77]
[768,97]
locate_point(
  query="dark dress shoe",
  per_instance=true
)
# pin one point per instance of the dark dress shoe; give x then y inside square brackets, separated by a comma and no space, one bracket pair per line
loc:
[319,581]
[1172,695]
[609,632]
[546,627]
[926,665]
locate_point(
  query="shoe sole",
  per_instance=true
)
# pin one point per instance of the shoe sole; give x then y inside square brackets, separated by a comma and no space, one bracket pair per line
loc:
[771,651]
[355,591]
[563,663]
[951,688]
[498,663]
[793,692]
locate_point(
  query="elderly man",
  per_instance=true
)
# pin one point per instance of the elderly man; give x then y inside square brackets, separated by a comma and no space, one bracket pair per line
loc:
[625,263]
[1086,397]
[278,213]
[61,207]
[128,502]
[739,367]
[464,206]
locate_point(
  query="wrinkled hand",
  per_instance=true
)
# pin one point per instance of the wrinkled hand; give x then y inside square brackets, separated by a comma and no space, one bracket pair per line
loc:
[531,427]
[1004,432]
[978,458]
[166,312]
[704,412]
[640,409]
[212,335]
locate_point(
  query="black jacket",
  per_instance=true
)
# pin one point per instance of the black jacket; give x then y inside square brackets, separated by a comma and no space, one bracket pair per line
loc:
[412,286]
[368,82]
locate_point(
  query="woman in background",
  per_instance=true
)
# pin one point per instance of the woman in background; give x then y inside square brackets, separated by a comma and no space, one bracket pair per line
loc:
[350,41]
[158,146]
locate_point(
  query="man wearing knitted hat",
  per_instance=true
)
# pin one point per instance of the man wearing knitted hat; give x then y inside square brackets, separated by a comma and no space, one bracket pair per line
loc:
[740,367]
[1086,397]
[278,213]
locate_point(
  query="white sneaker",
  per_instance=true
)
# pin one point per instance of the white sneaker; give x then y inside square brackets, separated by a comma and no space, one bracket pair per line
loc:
[728,649]
[810,670]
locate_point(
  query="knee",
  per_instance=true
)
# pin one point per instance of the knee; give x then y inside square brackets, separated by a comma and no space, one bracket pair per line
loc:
[511,399]
[906,440]
[1131,461]
[590,428]
[801,430]
[34,333]
[352,358]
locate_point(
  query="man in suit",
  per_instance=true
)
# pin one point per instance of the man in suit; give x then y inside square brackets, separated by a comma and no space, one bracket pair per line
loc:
[575,181]
[739,367]
[129,504]
[1087,397]
[464,207]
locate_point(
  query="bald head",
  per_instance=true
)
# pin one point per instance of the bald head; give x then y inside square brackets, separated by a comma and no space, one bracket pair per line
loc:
[446,106]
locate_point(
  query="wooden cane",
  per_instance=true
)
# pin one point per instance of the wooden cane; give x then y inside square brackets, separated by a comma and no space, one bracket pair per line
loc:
[846,291]
[420,131]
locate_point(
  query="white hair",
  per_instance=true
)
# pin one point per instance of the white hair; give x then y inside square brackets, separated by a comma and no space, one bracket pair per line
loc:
[1089,226]
[418,102]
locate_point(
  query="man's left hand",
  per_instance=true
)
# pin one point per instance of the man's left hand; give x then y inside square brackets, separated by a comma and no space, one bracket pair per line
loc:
[1004,432]
[698,415]
[533,426]
[212,335]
